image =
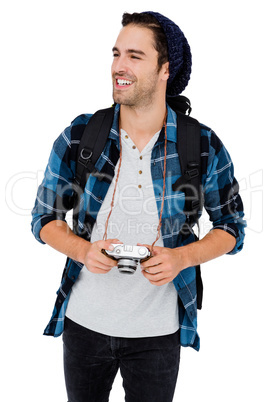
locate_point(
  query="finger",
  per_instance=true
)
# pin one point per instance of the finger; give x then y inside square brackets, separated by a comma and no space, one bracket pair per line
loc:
[98,266]
[145,245]
[97,270]
[161,282]
[153,277]
[151,262]
[96,257]
[153,270]
[156,279]
[157,276]
[105,260]
[149,246]
[116,241]
[105,244]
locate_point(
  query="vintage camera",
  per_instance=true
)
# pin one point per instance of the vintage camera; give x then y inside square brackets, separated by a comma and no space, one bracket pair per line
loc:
[128,257]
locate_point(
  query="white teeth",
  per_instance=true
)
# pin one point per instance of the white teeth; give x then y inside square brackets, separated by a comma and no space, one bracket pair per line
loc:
[123,82]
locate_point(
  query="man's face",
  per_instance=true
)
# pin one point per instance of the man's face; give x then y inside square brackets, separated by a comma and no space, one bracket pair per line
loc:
[135,75]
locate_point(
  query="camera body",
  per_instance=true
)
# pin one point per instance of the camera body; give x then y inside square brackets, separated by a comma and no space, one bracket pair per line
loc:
[128,257]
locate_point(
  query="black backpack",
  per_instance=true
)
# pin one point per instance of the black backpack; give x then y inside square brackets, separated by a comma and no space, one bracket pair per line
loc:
[94,139]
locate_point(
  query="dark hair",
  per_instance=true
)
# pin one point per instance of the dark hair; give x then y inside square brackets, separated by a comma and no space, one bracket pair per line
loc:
[150,22]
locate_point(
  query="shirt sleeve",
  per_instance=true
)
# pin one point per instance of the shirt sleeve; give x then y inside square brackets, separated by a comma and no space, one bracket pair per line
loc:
[54,195]
[221,192]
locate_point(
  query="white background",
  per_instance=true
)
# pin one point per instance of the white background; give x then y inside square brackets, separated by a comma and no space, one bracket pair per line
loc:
[56,58]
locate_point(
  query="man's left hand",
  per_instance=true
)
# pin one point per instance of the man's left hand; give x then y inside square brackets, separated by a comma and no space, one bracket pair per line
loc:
[163,266]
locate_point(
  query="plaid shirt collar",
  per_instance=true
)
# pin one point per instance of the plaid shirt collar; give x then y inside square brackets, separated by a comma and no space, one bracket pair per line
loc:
[171,124]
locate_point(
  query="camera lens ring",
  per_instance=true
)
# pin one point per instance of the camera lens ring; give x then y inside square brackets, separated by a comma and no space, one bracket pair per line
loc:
[127,265]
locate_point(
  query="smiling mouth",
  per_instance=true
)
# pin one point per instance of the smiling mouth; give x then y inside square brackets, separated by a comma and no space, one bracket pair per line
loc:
[123,83]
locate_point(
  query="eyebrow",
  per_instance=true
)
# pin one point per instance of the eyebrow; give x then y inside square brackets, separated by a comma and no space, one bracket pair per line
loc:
[140,52]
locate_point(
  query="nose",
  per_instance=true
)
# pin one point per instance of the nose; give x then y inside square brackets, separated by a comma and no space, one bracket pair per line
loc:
[119,65]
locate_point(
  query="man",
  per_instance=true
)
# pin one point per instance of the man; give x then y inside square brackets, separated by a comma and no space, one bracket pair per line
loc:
[134,322]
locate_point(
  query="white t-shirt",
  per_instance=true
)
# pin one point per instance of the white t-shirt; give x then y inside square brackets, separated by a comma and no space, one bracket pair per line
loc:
[117,304]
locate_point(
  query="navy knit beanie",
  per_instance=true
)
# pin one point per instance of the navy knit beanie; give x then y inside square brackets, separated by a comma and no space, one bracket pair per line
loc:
[179,54]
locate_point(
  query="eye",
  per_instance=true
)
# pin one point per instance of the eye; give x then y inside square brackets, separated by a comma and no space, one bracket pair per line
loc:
[115,55]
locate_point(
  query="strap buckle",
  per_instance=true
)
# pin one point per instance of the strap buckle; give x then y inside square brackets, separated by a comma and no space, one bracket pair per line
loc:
[191,173]
[85,157]
[86,153]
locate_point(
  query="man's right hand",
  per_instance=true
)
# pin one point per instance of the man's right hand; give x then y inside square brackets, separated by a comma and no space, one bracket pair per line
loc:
[95,261]
[59,236]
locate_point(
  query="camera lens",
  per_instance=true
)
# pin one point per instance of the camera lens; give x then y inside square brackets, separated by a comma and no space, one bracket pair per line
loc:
[127,266]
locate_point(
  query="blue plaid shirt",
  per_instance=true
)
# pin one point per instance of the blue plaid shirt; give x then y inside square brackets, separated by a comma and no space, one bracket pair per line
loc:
[221,201]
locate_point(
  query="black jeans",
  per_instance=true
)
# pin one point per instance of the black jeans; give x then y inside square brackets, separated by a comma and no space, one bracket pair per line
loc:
[149,366]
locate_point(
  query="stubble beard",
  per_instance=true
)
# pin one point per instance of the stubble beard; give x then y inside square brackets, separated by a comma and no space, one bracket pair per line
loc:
[140,96]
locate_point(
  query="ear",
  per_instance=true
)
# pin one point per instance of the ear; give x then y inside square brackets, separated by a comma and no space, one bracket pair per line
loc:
[165,71]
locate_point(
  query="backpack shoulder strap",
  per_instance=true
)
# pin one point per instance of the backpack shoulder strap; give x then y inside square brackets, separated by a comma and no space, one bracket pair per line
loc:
[92,143]
[189,151]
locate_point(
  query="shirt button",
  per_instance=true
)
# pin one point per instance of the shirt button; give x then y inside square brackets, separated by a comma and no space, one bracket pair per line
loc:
[140,171]
[126,137]
[139,186]
[140,157]
[134,147]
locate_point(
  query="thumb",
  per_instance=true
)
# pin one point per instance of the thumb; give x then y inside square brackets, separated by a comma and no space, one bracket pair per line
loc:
[109,243]
[150,248]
